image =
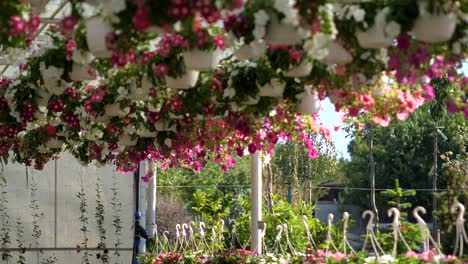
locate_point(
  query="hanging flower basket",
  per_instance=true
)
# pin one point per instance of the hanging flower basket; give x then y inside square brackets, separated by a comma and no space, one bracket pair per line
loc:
[54,143]
[202,60]
[376,37]
[434,28]
[251,51]
[336,55]
[274,88]
[309,103]
[96,32]
[163,125]
[251,100]
[186,81]
[126,140]
[146,133]
[80,73]
[114,110]
[281,33]
[301,70]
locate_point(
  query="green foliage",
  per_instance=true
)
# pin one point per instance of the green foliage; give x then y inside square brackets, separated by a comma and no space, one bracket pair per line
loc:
[208,206]
[455,169]
[396,197]
[291,164]
[284,213]
[410,232]
[402,151]
[210,192]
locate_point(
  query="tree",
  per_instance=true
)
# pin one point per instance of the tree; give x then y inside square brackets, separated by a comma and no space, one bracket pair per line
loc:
[402,151]
[292,165]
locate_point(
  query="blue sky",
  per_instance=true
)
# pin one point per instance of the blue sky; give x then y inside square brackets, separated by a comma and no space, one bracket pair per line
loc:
[329,117]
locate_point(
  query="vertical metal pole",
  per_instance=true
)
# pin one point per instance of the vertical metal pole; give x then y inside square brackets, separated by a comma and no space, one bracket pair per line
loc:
[256,200]
[434,183]
[151,215]
[372,175]
[142,205]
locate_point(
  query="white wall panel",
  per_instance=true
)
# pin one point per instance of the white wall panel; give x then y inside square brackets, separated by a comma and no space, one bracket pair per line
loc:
[57,188]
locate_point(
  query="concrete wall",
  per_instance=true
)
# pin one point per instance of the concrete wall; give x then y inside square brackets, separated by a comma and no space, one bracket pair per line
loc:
[57,188]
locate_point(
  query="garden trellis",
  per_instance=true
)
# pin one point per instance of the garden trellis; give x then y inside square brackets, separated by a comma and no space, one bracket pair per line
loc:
[180,82]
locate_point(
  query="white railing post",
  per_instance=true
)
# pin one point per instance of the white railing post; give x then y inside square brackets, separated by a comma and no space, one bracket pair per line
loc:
[142,204]
[256,200]
[151,212]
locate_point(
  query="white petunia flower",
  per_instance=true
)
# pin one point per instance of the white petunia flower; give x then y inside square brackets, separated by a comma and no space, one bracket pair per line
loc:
[317,47]
[358,13]
[97,133]
[82,57]
[168,142]
[229,93]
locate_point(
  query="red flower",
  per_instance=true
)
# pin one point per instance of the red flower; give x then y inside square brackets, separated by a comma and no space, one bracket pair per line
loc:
[68,24]
[18,25]
[140,19]
[220,41]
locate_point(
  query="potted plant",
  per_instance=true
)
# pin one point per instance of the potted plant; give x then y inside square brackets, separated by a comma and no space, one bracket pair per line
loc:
[205,46]
[167,63]
[16,32]
[309,101]
[98,33]
[323,45]
[291,60]
[248,80]
[381,33]
[434,23]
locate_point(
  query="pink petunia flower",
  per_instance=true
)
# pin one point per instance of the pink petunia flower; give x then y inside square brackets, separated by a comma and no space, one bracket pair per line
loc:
[18,25]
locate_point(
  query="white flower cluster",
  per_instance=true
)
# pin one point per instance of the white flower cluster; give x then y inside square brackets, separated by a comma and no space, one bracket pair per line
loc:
[347,12]
[286,7]
[261,20]
[327,16]
[53,82]
[317,46]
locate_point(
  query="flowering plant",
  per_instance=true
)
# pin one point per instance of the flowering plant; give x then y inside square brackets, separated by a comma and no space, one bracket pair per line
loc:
[167,58]
[15,31]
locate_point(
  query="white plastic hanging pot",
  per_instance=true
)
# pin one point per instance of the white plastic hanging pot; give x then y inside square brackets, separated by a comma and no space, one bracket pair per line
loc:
[163,125]
[251,51]
[79,73]
[434,28]
[301,70]
[96,32]
[146,133]
[274,88]
[186,81]
[126,140]
[54,143]
[37,6]
[336,55]
[114,110]
[252,100]
[202,60]
[281,34]
[309,104]
[376,37]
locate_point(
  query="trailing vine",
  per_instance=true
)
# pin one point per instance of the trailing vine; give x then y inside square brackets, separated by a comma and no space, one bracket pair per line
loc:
[84,224]
[20,241]
[99,215]
[116,221]
[5,227]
